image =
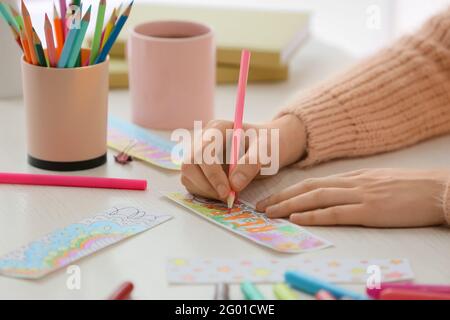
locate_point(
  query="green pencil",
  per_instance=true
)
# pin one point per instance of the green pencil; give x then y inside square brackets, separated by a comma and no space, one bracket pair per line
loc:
[39,50]
[98,31]
[79,40]
[17,17]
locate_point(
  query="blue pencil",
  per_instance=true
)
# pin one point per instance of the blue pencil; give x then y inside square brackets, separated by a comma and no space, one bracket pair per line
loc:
[67,49]
[113,36]
[76,49]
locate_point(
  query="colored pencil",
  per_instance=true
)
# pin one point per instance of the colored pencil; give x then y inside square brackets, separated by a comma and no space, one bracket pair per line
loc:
[51,50]
[8,16]
[75,54]
[72,181]
[29,33]
[114,34]
[123,292]
[108,28]
[238,118]
[13,29]
[63,10]
[67,49]
[17,17]
[59,32]
[39,50]
[16,35]
[98,31]
[25,46]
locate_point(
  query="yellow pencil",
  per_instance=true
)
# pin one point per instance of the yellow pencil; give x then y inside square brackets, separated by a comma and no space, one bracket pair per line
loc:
[29,33]
[109,27]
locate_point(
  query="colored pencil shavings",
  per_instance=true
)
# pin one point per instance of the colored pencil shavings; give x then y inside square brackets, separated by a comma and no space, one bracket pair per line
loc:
[220,270]
[141,144]
[276,234]
[64,246]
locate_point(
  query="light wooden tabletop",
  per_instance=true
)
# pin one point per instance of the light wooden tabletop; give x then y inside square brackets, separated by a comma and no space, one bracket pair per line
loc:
[26,213]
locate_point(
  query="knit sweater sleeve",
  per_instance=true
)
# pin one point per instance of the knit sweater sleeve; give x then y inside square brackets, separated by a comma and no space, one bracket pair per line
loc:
[391,100]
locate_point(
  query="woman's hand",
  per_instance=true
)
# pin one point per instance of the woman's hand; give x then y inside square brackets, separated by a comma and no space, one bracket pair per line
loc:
[372,198]
[212,181]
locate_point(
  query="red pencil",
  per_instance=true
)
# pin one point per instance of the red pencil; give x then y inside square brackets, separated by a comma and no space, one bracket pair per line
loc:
[123,292]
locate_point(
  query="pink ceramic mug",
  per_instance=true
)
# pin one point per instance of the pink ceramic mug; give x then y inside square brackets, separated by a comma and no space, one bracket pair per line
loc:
[172,74]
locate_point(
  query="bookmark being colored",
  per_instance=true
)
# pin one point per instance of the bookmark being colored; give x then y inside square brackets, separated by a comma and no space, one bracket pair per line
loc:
[238,119]
[79,40]
[29,33]
[114,34]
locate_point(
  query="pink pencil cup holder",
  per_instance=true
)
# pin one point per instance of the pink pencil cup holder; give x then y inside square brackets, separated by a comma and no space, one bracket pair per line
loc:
[67,115]
[171,74]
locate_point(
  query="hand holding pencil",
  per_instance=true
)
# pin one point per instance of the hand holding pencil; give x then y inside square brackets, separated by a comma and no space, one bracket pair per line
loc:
[63,45]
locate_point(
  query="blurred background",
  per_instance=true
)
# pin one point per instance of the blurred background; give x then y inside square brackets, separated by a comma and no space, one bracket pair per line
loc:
[357,26]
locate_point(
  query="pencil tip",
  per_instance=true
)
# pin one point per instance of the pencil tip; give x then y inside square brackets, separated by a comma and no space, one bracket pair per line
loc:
[230,200]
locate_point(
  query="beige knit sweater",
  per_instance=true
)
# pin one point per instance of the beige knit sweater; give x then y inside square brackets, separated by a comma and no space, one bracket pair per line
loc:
[391,100]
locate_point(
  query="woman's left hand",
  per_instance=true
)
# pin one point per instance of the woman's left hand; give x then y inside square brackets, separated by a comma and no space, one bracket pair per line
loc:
[372,198]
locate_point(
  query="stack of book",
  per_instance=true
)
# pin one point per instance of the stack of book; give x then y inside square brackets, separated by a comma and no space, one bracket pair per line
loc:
[272,36]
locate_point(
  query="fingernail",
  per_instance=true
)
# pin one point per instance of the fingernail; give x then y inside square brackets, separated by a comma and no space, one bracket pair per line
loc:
[271,210]
[222,190]
[261,205]
[239,180]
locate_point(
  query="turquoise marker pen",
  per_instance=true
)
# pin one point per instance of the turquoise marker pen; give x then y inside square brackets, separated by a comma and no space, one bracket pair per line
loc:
[311,285]
[251,292]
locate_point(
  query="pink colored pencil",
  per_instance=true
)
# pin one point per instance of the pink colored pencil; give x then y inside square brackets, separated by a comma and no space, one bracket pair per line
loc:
[238,118]
[375,293]
[51,50]
[72,181]
[63,11]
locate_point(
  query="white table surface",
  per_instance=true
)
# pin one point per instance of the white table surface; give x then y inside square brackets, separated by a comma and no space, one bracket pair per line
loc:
[28,212]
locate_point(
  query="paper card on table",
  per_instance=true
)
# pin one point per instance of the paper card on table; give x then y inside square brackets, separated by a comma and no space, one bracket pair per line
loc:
[205,271]
[276,234]
[141,144]
[66,245]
